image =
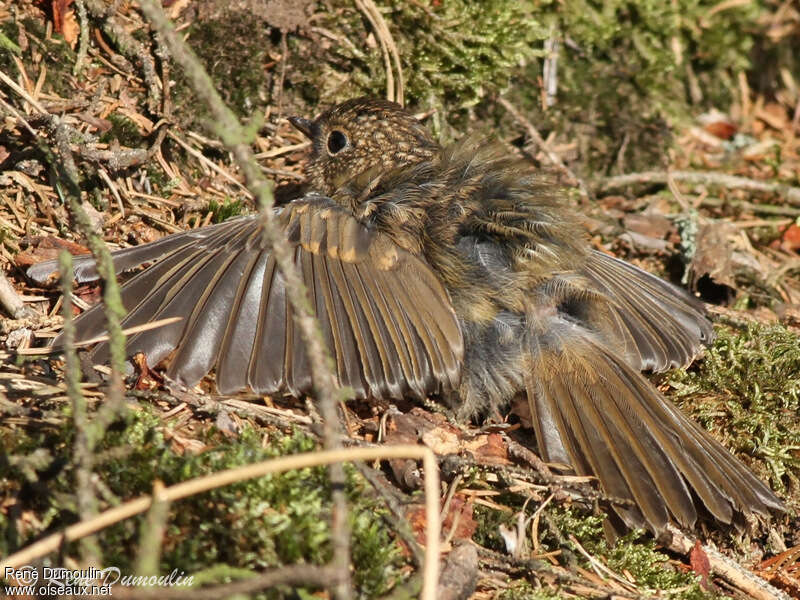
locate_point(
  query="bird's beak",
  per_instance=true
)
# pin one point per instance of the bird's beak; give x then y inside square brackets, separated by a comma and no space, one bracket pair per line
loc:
[304,126]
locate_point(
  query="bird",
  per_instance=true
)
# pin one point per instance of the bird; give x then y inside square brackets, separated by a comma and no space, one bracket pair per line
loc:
[457,272]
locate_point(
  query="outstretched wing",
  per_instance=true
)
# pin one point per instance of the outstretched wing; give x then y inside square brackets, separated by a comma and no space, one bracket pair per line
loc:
[385,316]
[659,324]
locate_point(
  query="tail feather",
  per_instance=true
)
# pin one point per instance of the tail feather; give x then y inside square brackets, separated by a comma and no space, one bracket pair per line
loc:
[595,412]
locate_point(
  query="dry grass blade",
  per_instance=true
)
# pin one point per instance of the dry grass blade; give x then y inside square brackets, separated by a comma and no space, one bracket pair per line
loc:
[389,49]
[102,338]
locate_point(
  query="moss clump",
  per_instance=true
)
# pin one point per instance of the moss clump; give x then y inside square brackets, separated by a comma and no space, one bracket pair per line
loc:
[124,130]
[489,521]
[645,57]
[453,52]
[245,527]
[747,390]
[59,57]
[225,210]
[458,51]
[234,48]
[634,553]
[525,591]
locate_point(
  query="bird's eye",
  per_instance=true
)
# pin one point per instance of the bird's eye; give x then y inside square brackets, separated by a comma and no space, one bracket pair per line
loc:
[336,141]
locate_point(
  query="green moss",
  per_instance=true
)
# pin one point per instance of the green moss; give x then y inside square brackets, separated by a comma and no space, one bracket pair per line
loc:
[59,57]
[489,521]
[235,51]
[747,390]
[227,209]
[624,69]
[260,523]
[458,51]
[124,130]
[634,553]
[453,52]
[525,591]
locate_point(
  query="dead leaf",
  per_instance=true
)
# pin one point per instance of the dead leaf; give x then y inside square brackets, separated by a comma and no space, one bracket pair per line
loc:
[70,28]
[701,565]
[441,441]
[489,448]
[783,571]
[760,150]
[718,124]
[790,240]
[460,514]
[47,248]
[713,255]
[64,21]
[774,115]
[652,225]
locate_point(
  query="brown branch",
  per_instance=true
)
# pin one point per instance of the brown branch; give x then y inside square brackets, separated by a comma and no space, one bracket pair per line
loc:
[11,301]
[83,447]
[105,267]
[790,193]
[730,571]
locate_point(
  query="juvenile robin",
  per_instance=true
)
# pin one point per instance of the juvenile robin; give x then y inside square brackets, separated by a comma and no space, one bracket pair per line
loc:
[456,272]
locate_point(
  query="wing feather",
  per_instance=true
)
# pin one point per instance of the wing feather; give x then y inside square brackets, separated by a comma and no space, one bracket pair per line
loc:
[384,315]
[660,325]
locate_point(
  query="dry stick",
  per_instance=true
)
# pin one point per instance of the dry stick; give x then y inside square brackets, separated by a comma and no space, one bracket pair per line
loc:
[83,40]
[21,92]
[227,127]
[151,533]
[729,570]
[111,293]
[11,301]
[278,465]
[130,47]
[128,331]
[791,194]
[554,158]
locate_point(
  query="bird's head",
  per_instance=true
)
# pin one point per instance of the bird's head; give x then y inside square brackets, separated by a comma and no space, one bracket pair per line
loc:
[363,135]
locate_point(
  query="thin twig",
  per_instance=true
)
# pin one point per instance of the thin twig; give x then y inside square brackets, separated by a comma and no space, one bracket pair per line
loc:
[129,46]
[554,158]
[388,47]
[105,267]
[236,139]
[83,39]
[791,194]
[83,447]
[102,338]
[730,571]
[151,534]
